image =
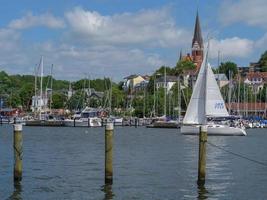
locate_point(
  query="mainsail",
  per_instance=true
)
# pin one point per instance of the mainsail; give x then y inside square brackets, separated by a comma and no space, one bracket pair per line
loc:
[206,100]
[195,113]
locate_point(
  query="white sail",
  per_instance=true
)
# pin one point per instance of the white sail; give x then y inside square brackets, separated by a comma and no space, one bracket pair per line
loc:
[195,113]
[215,106]
[206,100]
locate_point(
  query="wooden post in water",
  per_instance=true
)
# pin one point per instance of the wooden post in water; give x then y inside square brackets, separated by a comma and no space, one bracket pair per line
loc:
[17,145]
[108,153]
[135,122]
[202,155]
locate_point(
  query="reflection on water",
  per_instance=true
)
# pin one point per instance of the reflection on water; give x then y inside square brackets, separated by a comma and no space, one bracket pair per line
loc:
[202,192]
[16,195]
[66,163]
[107,189]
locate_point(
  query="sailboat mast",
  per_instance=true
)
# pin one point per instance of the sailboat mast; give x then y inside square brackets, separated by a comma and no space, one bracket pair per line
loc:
[165,88]
[238,96]
[35,90]
[229,92]
[41,85]
[51,76]
[179,97]
[144,104]
[110,98]
[89,85]
[154,98]
[265,100]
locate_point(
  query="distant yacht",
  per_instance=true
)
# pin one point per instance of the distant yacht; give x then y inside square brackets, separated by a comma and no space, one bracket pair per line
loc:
[88,117]
[207,102]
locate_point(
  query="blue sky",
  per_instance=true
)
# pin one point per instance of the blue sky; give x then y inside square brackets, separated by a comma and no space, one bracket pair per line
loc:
[116,38]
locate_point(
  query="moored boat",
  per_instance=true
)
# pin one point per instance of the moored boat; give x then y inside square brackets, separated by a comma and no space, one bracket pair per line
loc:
[207,102]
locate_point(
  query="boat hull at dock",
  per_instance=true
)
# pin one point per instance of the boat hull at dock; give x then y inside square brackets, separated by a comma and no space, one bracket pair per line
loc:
[44,123]
[85,122]
[219,130]
[163,125]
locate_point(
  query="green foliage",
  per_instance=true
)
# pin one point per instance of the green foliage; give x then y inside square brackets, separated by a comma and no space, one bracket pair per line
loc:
[58,100]
[227,67]
[97,84]
[14,100]
[263,62]
[118,97]
[184,65]
[76,102]
[25,94]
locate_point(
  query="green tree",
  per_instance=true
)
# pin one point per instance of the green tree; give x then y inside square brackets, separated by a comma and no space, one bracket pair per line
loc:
[26,92]
[263,62]
[58,100]
[76,102]
[14,100]
[184,65]
[228,67]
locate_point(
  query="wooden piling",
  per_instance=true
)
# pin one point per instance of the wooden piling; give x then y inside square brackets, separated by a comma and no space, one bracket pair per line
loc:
[135,122]
[202,155]
[17,145]
[108,153]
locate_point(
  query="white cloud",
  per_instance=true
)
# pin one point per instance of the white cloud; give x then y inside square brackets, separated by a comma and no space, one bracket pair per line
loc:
[146,27]
[246,11]
[73,62]
[30,20]
[231,47]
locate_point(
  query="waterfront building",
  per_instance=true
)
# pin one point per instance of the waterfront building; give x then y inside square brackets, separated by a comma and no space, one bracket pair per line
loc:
[256,80]
[130,82]
[170,81]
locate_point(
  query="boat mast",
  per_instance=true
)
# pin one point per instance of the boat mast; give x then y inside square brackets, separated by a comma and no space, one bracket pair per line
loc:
[154,98]
[89,85]
[265,100]
[238,96]
[41,86]
[179,97]
[230,91]
[110,97]
[165,88]
[51,76]
[35,91]
[144,104]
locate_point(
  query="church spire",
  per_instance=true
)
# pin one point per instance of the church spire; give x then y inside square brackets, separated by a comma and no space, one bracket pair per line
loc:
[197,44]
[197,41]
[181,55]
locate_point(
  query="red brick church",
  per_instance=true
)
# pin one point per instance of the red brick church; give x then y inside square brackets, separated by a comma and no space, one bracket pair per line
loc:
[197,47]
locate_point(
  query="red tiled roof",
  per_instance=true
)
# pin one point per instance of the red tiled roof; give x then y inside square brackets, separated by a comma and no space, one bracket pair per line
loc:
[252,75]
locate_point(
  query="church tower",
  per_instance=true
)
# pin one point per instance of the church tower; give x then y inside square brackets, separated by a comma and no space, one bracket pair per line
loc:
[197,44]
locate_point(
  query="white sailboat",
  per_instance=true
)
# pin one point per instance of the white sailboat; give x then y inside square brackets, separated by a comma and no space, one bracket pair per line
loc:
[207,102]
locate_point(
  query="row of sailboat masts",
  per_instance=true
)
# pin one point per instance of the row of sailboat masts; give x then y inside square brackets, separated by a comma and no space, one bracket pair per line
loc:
[250,95]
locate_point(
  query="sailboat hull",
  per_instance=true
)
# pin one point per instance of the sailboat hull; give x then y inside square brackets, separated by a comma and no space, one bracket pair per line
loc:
[220,130]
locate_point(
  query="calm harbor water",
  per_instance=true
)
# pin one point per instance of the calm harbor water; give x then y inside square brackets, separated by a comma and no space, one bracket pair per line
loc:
[68,163]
